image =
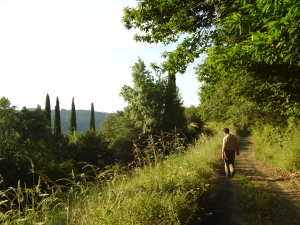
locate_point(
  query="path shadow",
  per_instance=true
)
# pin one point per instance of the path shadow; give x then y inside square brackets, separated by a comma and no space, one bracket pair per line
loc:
[223,209]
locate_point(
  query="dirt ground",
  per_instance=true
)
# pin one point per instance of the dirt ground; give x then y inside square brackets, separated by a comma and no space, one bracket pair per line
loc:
[282,187]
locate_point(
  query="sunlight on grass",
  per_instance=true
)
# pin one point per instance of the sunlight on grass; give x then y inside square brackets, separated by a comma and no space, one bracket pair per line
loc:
[279,147]
[167,193]
[253,201]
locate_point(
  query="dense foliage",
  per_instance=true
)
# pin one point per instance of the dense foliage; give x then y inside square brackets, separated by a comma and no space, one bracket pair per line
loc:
[28,144]
[250,78]
[251,73]
[154,110]
[153,103]
[252,67]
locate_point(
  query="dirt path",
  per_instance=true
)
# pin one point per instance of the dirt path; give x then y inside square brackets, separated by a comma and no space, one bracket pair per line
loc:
[283,187]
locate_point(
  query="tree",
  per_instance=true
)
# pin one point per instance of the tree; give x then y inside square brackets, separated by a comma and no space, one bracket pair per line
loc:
[34,135]
[153,104]
[32,126]
[267,29]
[73,124]
[92,118]
[7,129]
[184,21]
[48,109]
[195,124]
[93,149]
[173,116]
[254,40]
[145,100]
[57,123]
[120,132]
[7,118]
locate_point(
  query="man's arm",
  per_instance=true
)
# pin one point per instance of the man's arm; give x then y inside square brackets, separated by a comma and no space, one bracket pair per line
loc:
[223,149]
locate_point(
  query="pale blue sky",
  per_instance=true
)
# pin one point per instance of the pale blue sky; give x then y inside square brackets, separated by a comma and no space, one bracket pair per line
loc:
[73,48]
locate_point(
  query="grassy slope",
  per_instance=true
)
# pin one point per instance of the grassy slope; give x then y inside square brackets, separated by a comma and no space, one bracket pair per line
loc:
[167,193]
[279,147]
[171,192]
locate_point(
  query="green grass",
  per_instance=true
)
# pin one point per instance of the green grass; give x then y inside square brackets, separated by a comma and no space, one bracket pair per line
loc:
[279,147]
[169,192]
[253,202]
[173,191]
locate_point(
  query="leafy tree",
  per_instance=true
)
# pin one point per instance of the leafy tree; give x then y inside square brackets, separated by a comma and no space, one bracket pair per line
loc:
[254,41]
[246,58]
[7,118]
[25,135]
[48,109]
[93,149]
[92,118]
[8,147]
[264,30]
[73,124]
[32,126]
[153,104]
[146,99]
[119,131]
[167,21]
[57,124]
[33,140]
[195,124]
[218,103]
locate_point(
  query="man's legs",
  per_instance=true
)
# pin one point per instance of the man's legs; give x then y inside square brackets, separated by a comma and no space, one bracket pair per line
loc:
[229,163]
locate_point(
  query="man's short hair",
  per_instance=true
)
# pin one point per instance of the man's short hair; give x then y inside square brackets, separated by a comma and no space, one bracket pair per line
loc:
[226,130]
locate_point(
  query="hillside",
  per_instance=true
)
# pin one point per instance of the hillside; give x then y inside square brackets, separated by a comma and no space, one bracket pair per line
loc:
[82,118]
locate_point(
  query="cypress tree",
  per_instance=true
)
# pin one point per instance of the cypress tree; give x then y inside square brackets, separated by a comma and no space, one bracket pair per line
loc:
[73,125]
[92,118]
[174,111]
[48,109]
[57,124]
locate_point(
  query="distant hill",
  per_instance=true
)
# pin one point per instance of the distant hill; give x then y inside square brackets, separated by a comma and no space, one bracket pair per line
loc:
[82,119]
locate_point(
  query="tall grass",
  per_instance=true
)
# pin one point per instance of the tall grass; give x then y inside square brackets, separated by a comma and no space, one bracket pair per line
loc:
[169,191]
[278,146]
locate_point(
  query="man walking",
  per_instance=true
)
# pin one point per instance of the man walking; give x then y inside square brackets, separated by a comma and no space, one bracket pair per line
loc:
[229,148]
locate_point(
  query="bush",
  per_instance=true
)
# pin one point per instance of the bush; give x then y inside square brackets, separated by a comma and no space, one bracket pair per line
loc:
[279,146]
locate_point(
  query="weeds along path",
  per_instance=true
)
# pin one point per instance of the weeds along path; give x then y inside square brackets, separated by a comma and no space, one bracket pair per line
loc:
[283,188]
